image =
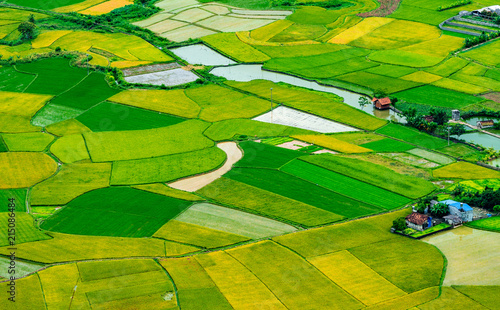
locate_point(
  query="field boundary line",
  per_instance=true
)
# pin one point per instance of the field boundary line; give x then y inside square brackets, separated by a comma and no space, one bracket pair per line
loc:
[184,243]
[176,291]
[260,280]
[41,287]
[30,73]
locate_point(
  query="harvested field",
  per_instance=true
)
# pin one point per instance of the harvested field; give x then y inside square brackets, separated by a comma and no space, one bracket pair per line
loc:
[192,15]
[187,32]
[467,267]
[269,204]
[233,24]
[294,145]
[464,170]
[291,117]
[168,78]
[386,7]
[24,169]
[233,155]
[233,221]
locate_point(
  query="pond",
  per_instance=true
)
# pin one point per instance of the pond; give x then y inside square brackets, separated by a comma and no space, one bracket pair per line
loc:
[200,54]
[473,120]
[246,73]
[483,139]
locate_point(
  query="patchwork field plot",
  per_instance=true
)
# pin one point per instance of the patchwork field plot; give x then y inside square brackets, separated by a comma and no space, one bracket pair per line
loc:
[169,78]
[439,97]
[345,185]
[162,189]
[332,143]
[173,102]
[356,278]
[291,279]
[464,170]
[192,20]
[387,145]
[32,295]
[27,142]
[230,45]
[432,156]
[290,117]
[70,149]
[269,204]
[485,295]
[24,169]
[86,214]
[448,295]
[330,107]
[126,145]
[492,224]
[286,185]
[20,199]
[70,182]
[197,235]
[106,7]
[25,229]
[166,168]
[373,174]
[411,160]
[14,80]
[22,268]
[412,135]
[63,247]
[376,81]
[233,221]
[260,155]
[474,268]
[245,289]
[17,110]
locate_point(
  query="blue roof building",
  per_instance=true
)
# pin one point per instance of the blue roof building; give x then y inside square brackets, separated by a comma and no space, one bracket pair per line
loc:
[463,210]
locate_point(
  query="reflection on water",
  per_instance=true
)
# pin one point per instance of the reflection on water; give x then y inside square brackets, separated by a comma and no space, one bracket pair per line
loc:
[473,121]
[246,73]
[199,54]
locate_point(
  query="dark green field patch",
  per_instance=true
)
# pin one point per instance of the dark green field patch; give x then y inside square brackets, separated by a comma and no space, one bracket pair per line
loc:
[412,136]
[260,155]
[345,185]
[54,75]
[286,185]
[45,5]
[13,80]
[439,97]
[387,145]
[3,146]
[89,92]
[19,196]
[109,116]
[116,211]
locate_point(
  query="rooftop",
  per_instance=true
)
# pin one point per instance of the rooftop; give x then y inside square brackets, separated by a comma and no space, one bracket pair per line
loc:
[417,218]
[457,204]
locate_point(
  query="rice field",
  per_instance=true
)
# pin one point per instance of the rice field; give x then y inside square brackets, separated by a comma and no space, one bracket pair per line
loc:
[266,203]
[464,170]
[485,295]
[24,169]
[345,185]
[439,97]
[233,221]
[412,136]
[260,155]
[467,267]
[162,189]
[27,142]
[25,229]
[491,224]
[86,214]
[229,45]
[440,159]
[376,81]
[387,145]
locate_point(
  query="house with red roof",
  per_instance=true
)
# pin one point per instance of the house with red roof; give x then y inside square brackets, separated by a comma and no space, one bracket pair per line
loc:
[382,103]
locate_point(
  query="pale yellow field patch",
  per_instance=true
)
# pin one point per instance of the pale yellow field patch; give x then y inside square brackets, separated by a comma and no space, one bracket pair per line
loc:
[244,290]
[421,77]
[98,60]
[364,27]
[70,149]
[356,278]
[46,39]
[106,7]
[22,104]
[473,256]
[166,25]
[441,46]
[233,24]
[192,15]
[186,33]
[172,5]
[153,19]
[460,86]
[128,64]
[217,9]
[58,283]
[67,127]
[267,32]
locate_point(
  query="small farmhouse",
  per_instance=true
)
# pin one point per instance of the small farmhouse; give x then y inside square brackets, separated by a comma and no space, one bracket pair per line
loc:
[382,104]
[463,210]
[487,11]
[428,118]
[485,124]
[453,220]
[418,221]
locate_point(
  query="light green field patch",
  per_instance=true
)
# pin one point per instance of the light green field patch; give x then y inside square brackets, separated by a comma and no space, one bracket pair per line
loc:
[460,86]
[29,142]
[480,81]
[70,149]
[356,278]
[421,77]
[485,295]
[404,58]
[375,81]
[28,293]
[441,46]
[166,168]
[233,221]
[300,50]
[299,32]
[22,268]
[25,229]
[448,67]
[71,181]
[58,283]
[229,44]
[267,32]
[126,145]
[67,127]
[464,170]
[391,70]
[24,169]
[431,156]
[197,235]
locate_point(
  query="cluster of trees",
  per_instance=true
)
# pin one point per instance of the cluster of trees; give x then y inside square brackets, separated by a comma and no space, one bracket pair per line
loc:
[469,42]
[454,5]
[487,199]
[439,125]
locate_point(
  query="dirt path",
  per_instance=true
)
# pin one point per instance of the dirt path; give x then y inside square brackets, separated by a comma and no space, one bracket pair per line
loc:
[192,184]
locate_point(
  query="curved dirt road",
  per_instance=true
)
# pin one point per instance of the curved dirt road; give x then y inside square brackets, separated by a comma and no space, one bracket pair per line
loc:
[192,184]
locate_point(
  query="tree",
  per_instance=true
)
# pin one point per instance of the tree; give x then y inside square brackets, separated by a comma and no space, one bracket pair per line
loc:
[27,30]
[457,130]
[439,209]
[440,116]
[379,93]
[399,224]
[31,19]
[496,208]
[363,101]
